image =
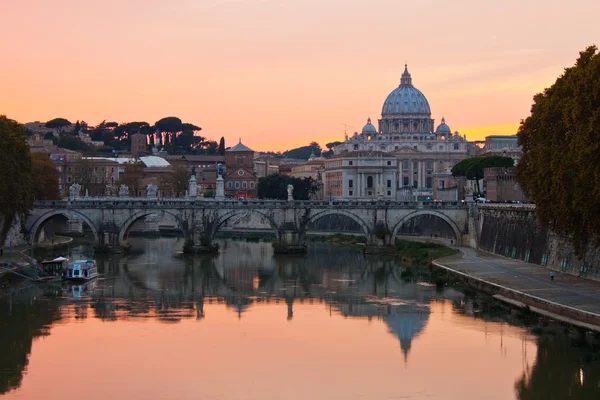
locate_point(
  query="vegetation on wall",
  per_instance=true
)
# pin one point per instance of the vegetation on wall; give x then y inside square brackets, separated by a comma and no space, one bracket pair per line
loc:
[559,168]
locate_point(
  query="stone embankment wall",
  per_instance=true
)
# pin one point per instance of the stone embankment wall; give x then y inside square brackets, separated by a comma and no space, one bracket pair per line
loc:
[511,230]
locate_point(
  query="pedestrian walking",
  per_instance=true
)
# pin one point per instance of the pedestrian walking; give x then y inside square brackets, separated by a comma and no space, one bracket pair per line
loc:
[551,275]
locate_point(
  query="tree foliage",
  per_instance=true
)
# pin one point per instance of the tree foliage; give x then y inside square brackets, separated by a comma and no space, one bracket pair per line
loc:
[133,173]
[275,187]
[221,150]
[176,181]
[559,168]
[304,152]
[472,168]
[72,143]
[45,177]
[16,194]
[58,123]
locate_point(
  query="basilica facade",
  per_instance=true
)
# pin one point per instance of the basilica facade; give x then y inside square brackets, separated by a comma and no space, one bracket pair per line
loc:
[424,153]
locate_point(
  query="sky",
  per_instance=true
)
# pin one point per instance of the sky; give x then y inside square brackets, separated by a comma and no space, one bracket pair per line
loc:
[281,73]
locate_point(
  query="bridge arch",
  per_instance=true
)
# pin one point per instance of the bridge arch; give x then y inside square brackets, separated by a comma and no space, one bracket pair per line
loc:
[241,212]
[354,217]
[414,214]
[42,219]
[126,226]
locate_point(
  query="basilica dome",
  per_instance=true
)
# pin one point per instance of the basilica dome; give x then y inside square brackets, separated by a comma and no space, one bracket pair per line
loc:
[369,128]
[406,99]
[443,128]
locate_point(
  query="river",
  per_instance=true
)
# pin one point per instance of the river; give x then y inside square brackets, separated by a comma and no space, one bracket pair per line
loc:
[244,324]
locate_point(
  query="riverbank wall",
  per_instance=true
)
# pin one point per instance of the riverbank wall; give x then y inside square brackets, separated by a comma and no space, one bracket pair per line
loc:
[560,312]
[511,230]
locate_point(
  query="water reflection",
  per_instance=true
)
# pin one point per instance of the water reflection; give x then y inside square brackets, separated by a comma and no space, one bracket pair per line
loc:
[313,307]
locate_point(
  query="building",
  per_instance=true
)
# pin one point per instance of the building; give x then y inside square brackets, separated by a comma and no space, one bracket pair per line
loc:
[406,131]
[265,166]
[361,175]
[506,146]
[139,145]
[501,185]
[240,178]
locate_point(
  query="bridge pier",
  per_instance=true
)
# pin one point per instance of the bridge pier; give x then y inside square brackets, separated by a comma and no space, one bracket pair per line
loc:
[75,226]
[108,240]
[290,242]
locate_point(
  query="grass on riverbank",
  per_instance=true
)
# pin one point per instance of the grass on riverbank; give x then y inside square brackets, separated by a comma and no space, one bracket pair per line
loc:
[338,238]
[421,253]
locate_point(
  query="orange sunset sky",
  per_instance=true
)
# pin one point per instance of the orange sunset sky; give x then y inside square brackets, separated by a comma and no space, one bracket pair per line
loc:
[281,73]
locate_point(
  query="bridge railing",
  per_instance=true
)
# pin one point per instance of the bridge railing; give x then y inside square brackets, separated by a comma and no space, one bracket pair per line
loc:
[170,202]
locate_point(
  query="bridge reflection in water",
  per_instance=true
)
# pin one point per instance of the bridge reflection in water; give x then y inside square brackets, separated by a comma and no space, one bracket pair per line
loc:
[245,279]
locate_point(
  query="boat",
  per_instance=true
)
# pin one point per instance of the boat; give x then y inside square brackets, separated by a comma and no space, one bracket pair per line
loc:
[54,268]
[81,270]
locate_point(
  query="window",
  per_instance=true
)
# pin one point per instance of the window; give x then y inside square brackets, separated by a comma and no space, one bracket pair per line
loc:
[415,165]
[229,185]
[369,181]
[456,146]
[405,164]
[405,181]
[350,183]
[251,185]
[429,164]
[350,162]
[389,192]
[356,147]
[350,193]
[389,163]
[369,193]
[237,184]
[428,182]
[415,184]
[244,185]
[389,183]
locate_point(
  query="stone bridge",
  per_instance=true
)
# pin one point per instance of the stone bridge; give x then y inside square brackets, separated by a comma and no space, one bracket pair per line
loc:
[111,219]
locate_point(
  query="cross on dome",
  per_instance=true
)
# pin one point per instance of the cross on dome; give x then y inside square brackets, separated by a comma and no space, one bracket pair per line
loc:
[406,79]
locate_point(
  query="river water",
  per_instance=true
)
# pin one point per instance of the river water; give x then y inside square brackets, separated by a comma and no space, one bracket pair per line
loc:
[247,325]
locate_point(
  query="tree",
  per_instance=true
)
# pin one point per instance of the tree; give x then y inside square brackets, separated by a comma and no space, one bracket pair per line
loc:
[45,177]
[72,143]
[176,181]
[222,146]
[77,128]
[304,152]
[16,169]
[58,123]
[559,168]
[82,173]
[275,187]
[133,173]
[472,168]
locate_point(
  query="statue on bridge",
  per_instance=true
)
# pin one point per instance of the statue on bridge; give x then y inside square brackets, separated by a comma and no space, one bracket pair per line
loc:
[380,191]
[290,190]
[74,191]
[152,191]
[124,191]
